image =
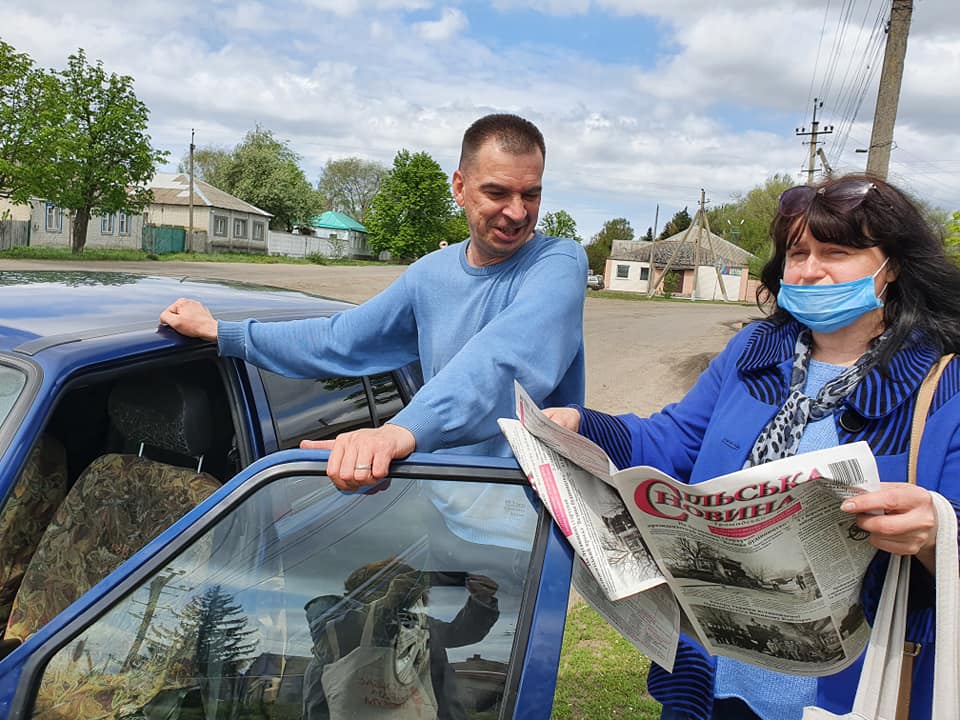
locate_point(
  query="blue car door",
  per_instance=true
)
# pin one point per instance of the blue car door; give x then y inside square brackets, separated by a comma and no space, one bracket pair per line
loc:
[280,597]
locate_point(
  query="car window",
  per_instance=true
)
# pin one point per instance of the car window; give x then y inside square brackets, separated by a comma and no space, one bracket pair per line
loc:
[326,407]
[12,382]
[387,401]
[302,602]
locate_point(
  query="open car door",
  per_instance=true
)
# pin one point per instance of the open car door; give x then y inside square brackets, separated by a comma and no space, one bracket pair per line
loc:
[281,597]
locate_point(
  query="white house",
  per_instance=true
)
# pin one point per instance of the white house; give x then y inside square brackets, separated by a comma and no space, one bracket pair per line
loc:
[632,265]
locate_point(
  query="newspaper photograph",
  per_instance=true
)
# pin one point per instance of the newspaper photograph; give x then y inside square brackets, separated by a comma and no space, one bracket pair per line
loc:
[765,566]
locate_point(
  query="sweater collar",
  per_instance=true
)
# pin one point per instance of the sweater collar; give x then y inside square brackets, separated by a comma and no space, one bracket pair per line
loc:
[772,344]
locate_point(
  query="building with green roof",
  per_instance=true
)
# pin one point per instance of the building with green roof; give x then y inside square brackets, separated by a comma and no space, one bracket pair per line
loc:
[343,233]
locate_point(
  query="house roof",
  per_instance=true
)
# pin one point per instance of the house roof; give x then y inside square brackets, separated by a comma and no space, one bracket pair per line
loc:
[713,249]
[336,221]
[174,189]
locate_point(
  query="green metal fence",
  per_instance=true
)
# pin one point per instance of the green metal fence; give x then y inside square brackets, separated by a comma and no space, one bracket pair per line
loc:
[163,239]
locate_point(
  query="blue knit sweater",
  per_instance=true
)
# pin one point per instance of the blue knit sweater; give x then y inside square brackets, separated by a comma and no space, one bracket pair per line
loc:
[473,329]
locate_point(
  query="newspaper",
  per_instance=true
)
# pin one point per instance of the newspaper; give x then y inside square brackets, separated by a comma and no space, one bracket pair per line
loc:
[760,565]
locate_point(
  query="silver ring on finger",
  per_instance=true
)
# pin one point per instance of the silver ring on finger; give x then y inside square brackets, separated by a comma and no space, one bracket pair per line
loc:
[361,467]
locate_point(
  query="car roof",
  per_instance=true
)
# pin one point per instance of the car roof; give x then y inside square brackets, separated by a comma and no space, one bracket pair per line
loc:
[39,309]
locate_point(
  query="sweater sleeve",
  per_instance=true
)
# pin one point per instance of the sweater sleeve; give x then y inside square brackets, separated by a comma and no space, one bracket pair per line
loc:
[377,336]
[535,339]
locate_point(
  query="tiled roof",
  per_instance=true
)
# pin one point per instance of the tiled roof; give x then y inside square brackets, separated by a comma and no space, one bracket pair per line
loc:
[336,221]
[713,248]
[173,189]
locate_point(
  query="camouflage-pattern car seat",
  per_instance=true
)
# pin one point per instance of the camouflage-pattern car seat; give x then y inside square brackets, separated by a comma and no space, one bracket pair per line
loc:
[40,489]
[120,502]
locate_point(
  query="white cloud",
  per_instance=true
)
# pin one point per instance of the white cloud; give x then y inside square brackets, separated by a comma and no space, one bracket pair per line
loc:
[367,77]
[452,21]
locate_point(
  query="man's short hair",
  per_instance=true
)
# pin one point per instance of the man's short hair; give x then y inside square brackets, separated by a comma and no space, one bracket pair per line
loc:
[513,134]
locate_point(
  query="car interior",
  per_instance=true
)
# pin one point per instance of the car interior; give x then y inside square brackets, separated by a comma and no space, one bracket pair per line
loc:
[122,457]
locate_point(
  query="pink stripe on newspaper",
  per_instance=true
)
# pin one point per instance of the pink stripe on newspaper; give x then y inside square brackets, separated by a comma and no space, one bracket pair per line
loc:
[553,498]
[748,530]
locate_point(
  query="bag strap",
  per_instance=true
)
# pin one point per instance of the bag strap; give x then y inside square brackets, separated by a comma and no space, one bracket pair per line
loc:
[946,663]
[920,411]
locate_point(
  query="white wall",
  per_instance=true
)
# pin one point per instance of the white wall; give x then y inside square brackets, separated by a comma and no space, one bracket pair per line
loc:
[632,283]
[709,289]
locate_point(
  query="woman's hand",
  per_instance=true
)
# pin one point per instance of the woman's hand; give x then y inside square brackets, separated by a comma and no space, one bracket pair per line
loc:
[906,523]
[564,417]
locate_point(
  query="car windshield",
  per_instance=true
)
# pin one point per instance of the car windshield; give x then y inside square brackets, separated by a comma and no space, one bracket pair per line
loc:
[12,381]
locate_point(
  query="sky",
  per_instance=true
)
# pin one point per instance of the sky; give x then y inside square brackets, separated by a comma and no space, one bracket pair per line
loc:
[642,102]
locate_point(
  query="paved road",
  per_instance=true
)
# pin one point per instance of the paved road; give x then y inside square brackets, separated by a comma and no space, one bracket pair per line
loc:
[640,355]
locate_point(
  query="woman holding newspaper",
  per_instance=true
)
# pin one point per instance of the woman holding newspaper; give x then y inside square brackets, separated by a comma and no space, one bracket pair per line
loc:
[864,301]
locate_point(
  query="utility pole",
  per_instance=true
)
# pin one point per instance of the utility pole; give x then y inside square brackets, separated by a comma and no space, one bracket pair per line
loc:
[888,96]
[190,247]
[814,133]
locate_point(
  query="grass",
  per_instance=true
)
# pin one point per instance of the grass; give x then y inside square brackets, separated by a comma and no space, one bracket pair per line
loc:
[64,254]
[601,675]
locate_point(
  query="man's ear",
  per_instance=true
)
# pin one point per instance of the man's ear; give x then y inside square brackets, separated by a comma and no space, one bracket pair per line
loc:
[457,183]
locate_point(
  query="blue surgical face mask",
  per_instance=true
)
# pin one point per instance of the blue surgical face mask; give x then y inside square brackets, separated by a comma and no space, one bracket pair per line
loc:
[827,308]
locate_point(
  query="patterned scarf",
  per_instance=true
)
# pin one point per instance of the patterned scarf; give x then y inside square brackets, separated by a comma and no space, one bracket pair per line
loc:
[781,437]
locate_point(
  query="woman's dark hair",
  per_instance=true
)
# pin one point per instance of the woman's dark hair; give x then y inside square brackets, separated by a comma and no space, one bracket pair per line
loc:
[925,296]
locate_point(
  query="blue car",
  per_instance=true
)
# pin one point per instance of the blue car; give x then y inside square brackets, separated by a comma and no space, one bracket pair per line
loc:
[167,552]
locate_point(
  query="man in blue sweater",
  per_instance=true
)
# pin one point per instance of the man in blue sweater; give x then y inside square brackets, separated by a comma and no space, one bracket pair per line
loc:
[507,304]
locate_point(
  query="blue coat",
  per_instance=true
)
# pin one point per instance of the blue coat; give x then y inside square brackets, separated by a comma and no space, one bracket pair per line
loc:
[711,431]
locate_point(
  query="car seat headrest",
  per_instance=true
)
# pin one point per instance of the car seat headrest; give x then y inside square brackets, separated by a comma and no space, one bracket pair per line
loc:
[164,412]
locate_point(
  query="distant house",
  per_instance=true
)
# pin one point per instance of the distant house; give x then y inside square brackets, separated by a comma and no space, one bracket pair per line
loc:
[336,226]
[633,265]
[332,234]
[52,226]
[221,222]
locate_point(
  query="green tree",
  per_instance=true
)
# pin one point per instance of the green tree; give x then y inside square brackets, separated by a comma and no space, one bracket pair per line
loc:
[457,227]
[559,224]
[746,221]
[24,137]
[951,234]
[600,245]
[210,164]
[678,223]
[349,185]
[98,157]
[265,172]
[411,213]
[648,236]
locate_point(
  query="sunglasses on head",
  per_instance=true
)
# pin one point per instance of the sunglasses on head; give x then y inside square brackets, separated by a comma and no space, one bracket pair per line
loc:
[843,196]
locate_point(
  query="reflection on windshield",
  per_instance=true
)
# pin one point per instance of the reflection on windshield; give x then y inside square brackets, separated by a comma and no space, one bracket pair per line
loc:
[306,603]
[11,385]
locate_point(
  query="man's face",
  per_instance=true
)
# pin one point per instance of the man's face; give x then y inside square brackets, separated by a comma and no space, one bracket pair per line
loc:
[500,193]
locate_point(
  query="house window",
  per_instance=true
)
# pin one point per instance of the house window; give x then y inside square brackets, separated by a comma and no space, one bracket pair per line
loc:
[220,225]
[258,231]
[106,224]
[123,223]
[54,221]
[239,228]
[644,273]
[623,272]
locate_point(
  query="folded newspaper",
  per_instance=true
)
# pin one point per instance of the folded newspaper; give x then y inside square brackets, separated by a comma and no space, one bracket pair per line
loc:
[760,565]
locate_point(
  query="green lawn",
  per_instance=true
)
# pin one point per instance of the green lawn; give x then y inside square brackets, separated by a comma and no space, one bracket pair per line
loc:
[601,676]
